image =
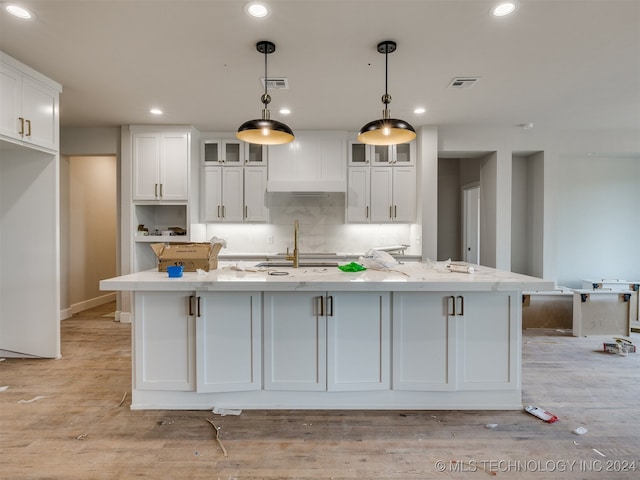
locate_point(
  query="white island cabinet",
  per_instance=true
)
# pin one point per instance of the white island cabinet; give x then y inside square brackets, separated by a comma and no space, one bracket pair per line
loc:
[320,338]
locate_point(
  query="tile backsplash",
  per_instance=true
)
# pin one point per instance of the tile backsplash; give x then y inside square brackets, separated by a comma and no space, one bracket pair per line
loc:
[322,229]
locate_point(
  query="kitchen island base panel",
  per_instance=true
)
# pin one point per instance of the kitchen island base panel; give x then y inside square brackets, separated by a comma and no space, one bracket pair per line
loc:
[269,400]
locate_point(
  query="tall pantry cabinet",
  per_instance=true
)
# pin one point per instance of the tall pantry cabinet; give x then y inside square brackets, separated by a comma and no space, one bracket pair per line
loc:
[29,212]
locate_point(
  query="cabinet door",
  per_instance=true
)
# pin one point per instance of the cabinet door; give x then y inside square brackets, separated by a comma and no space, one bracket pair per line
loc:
[358,341]
[228,342]
[146,166]
[358,154]
[164,341]
[488,340]
[211,152]
[404,194]
[358,194]
[424,339]
[40,111]
[211,194]
[382,155]
[233,194]
[11,101]
[255,187]
[232,152]
[295,341]
[174,178]
[404,153]
[255,154]
[381,195]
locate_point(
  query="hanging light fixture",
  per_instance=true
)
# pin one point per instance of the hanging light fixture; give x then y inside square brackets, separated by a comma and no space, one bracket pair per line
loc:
[265,131]
[387,130]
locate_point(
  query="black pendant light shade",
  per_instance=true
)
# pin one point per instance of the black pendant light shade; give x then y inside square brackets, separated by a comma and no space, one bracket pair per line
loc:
[386,130]
[265,131]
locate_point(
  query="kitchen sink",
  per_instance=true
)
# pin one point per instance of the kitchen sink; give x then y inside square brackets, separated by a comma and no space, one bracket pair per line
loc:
[303,264]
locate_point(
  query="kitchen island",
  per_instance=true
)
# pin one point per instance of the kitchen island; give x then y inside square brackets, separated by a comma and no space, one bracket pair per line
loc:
[417,337]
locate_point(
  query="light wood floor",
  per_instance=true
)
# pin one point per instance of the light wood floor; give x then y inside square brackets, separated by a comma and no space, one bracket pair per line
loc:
[63,419]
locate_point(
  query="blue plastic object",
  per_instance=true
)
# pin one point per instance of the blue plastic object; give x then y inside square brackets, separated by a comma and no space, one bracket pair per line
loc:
[175,271]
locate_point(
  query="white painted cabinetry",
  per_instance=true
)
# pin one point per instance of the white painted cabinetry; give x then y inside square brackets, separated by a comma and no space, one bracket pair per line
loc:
[455,341]
[30,105]
[381,184]
[234,182]
[314,161]
[161,162]
[164,340]
[228,341]
[317,341]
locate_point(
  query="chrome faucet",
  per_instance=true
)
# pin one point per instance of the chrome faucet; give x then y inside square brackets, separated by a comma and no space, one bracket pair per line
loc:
[295,256]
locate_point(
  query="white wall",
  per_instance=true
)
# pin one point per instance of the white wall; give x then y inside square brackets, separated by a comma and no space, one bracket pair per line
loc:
[92,229]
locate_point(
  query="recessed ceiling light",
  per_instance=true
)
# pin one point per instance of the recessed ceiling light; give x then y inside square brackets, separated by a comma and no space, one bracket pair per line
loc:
[504,9]
[285,111]
[18,11]
[257,9]
[420,110]
[156,111]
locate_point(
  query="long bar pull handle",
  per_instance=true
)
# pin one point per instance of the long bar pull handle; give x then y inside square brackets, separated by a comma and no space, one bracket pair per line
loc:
[451,306]
[246,211]
[320,301]
[155,190]
[161,192]
[367,212]
[21,132]
[461,298]
[224,211]
[390,211]
[191,297]
[218,211]
[330,306]
[28,127]
[198,313]
[395,211]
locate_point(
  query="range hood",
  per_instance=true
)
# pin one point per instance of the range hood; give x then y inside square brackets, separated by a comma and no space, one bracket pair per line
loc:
[306,186]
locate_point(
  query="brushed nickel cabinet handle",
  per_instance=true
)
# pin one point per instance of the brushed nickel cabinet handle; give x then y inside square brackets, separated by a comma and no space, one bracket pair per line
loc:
[28,127]
[218,211]
[367,215]
[395,211]
[161,192]
[21,132]
[246,211]
[155,190]
[390,211]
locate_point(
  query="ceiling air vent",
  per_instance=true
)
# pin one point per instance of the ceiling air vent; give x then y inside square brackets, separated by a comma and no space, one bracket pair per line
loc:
[276,83]
[464,82]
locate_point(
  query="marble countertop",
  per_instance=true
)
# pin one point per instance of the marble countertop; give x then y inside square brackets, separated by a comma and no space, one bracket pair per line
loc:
[409,276]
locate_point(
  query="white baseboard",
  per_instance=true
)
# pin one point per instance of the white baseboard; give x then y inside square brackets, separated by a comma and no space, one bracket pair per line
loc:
[81,306]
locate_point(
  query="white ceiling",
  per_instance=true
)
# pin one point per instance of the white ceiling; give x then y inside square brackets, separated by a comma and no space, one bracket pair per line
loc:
[556,63]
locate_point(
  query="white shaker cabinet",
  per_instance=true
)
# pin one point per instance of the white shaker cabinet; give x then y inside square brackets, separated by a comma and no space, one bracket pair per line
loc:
[30,105]
[359,195]
[164,340]
[335,341]
[222,194]
[455,341]
[233,153]
[233,194]
[393,194]
[161,165]
[228,341]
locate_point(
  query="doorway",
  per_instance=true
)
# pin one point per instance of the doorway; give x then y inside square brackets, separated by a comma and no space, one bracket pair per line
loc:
[471,223]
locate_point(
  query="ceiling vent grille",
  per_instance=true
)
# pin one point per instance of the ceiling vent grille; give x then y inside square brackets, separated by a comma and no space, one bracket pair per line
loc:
[281,83]
[464,82]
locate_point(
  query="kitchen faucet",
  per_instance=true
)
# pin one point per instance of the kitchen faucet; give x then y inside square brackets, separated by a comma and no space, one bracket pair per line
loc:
[295,256]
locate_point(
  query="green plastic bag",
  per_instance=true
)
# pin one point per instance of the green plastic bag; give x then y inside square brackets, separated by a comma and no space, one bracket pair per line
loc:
[351,267]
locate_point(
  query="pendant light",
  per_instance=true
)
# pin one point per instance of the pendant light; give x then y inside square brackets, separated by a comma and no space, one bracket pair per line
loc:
[265,131]
[387,130]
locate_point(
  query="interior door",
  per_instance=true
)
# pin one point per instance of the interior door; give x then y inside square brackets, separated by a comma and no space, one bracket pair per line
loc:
[471,224]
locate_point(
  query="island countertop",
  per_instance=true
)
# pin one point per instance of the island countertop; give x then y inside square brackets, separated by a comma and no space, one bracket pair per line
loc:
[409,276]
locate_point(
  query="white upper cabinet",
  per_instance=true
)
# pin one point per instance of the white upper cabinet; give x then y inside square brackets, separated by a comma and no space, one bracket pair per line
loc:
[233,153]
[392,155]
[255,188]
[161,165]
[358,195]
[30,108]
[313,162]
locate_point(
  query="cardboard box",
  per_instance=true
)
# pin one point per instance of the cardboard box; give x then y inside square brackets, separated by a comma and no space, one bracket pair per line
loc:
[191,256]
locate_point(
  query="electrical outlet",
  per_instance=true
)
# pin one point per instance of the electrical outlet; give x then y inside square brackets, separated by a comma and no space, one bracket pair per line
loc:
[270,239]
